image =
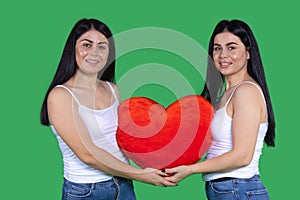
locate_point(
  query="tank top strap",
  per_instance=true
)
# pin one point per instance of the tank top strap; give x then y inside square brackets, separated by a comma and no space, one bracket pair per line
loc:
[112,90]
[260,91]
[70,91]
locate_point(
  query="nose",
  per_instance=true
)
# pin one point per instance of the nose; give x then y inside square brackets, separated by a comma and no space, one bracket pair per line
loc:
[223,53]
[94,52]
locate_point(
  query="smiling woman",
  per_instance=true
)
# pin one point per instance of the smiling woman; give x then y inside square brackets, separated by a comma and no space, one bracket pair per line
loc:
[81,107]
[243,120]
[91,52]
[230,54]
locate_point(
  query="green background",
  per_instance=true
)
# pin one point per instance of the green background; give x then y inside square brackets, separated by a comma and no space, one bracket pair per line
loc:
[33,34]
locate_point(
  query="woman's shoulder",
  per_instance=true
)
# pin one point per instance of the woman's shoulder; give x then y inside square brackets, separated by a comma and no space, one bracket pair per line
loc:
[59,101]
[248,91]
[248,86]
[114,87]
[60,93]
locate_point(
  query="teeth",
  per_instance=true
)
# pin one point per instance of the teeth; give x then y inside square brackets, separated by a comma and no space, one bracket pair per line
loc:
[225,64]
[92,61]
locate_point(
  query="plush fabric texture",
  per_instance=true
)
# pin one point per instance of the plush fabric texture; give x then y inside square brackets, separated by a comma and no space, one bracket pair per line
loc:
[153,136]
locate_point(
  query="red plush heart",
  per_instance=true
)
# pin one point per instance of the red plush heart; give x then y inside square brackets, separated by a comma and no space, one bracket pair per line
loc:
[153,136]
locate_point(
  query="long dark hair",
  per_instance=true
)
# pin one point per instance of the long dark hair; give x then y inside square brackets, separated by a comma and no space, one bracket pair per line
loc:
[67,65]
[214,87]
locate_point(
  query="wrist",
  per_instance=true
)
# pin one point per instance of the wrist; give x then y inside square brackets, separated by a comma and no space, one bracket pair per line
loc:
[137,174]
[194,169]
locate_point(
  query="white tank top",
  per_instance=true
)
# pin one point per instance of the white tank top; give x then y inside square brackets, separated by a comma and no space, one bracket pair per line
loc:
[221,128]
[102,126]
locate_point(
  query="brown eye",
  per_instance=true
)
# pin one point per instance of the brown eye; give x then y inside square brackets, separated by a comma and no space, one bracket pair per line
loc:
[86,45]
[217,49]
[102,47]
[230,48]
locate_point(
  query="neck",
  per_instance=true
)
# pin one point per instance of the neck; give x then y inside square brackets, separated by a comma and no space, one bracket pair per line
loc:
[81,80]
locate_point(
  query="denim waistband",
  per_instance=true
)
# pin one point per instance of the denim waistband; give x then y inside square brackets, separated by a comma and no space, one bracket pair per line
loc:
[253,178]
[113,180]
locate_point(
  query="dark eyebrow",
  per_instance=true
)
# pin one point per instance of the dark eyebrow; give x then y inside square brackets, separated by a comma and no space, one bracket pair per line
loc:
[103,42]
[231,43]
[90,41]
[228,44]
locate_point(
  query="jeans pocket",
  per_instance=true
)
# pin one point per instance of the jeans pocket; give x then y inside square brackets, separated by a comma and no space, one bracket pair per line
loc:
[77,190]
[261,194]
[222,187]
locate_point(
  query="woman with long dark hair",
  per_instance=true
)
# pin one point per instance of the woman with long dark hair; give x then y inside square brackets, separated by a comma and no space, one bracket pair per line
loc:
[243,120]
[81,108]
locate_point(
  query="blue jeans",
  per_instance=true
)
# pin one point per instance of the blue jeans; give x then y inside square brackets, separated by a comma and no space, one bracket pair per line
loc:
[114,189]
[236,189]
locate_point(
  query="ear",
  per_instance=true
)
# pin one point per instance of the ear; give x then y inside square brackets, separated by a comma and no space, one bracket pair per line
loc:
[248,53]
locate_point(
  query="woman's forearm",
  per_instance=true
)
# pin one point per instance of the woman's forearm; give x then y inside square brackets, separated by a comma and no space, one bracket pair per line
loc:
[225,162]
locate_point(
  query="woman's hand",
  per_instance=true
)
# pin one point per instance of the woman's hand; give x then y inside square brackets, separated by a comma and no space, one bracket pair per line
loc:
[177,174]
[155,177]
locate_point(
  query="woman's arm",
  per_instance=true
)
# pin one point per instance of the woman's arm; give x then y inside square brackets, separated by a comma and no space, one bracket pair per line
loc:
[246,106]
[64,116]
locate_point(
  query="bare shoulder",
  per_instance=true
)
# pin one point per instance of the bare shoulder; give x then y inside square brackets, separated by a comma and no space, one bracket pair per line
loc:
[59,98]
[58,92]
[59,104]
[248,92]
[116,89]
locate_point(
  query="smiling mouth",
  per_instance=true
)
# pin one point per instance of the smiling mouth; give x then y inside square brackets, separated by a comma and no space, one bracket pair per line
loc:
[92,62]
[225,64]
